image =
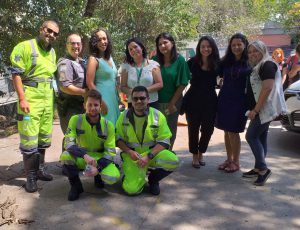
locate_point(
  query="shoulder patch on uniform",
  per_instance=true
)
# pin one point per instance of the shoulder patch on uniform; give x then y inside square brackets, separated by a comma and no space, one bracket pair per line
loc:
[62,68]
[62,76]
[17,58]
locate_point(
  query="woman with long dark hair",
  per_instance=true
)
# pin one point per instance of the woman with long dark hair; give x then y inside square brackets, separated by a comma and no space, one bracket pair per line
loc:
[201,98]
[139,70]
[175,74]
[232,99]
[102,73]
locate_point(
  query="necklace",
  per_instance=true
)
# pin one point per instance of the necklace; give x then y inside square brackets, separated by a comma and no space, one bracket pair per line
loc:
[235,72]
[139,71]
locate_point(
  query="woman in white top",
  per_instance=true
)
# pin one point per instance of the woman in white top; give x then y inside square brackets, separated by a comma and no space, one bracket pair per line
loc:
[138,70]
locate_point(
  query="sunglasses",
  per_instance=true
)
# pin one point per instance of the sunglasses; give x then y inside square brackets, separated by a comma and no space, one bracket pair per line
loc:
[74,43]
[139,98]
[49,31]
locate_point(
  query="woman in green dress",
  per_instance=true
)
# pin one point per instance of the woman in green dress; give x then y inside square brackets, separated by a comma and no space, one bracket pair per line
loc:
[175,74]
[102,73]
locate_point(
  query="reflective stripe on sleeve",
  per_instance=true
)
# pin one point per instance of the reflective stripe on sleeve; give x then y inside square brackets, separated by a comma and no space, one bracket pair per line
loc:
[34,56]
[109,179]
[108,157]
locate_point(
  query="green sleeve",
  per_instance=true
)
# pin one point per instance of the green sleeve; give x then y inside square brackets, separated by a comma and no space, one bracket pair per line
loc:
[164,133]
[110,142]
[21,57]
[71,135]
[183,72]
[119,127]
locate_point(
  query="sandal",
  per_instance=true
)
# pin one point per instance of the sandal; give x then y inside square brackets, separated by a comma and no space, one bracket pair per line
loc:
[232,167]
[224,165]
[202,162]
[196,166]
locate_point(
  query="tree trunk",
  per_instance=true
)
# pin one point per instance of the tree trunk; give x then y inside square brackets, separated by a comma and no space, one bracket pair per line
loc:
[90,8]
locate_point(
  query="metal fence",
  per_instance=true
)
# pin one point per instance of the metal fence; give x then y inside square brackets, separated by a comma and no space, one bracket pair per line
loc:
[8,96]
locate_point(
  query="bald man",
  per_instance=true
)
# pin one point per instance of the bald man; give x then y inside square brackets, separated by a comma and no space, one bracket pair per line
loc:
[33,67]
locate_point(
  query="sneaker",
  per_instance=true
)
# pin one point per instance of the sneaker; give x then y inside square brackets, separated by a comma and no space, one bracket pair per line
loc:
[154,189]
[250,174]
[261,179]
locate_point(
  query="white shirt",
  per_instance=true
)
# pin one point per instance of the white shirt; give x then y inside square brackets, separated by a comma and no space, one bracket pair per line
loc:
[146,78]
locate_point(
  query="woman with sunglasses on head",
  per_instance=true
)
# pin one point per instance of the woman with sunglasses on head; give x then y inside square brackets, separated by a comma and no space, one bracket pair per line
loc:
[232,99]
[175,74]
[102,73]
[201,98]
[138,70]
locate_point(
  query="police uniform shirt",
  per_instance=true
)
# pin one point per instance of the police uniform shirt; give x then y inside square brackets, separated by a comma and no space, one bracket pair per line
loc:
[70,72]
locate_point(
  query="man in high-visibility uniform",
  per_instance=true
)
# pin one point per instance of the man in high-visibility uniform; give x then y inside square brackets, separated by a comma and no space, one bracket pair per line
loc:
[70,80]
[33,67]
[144,137]
[89,140]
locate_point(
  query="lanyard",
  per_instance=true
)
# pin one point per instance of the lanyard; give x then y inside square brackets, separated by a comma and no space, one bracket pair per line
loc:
[139,72]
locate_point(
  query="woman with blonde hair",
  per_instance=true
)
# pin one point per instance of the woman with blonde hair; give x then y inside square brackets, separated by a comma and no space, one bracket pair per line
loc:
[265,102]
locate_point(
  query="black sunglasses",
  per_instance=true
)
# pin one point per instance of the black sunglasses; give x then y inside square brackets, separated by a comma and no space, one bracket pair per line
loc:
[139,98]
[49,31]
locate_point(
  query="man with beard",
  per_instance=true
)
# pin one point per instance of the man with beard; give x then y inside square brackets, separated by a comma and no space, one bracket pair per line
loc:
[89,141]
[144,137]
[33,67]
[70,79]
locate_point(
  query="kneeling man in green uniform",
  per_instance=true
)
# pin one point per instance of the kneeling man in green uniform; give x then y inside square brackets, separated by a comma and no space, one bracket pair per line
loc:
[144,137]
[89,140]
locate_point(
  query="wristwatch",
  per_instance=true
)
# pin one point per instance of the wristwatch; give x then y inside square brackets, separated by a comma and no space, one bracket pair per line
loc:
[150,155]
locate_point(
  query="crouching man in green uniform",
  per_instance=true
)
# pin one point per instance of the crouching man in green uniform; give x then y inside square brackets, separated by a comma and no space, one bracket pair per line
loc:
[144,137]
[89,140]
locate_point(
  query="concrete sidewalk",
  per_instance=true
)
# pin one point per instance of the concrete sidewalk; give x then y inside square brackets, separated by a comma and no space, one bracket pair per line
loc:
[190,198]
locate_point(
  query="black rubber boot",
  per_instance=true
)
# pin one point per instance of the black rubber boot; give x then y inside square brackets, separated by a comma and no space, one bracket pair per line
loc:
[98,182]
[153,179]
[31,165]
[72,172]
[42,174]
[76,188]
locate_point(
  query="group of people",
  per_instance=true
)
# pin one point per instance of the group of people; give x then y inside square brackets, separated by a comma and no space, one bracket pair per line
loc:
[290,67]
[88,106]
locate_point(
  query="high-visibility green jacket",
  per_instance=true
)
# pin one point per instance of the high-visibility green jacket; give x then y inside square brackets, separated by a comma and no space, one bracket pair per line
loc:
[30,60]
[94,139]
[155,130]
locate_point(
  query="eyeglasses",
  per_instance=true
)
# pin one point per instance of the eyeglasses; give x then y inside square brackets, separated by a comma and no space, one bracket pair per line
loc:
[74,43]
[49,31]
[135,99]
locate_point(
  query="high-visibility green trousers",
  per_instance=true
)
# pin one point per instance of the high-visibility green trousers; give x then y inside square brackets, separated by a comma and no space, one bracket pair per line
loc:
[110,174]
[36,132]
[134,176]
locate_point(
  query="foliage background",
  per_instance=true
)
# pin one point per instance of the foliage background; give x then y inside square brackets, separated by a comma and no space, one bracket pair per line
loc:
[184,19]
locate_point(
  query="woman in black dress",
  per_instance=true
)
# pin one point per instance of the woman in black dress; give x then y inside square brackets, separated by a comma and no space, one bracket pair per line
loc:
[201,98]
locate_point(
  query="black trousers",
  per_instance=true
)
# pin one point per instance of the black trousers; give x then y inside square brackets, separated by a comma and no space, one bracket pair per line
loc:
[202,121]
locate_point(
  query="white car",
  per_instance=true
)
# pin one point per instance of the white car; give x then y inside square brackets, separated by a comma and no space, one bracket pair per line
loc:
[291,121]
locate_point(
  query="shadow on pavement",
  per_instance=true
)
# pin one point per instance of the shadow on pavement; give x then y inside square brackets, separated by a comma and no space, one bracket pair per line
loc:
[190,198]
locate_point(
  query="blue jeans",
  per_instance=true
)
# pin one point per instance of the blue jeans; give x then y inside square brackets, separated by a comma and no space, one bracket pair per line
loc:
[256,137]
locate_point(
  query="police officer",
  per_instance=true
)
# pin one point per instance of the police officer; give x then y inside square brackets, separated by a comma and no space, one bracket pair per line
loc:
[89,140]
[33,67]
[144,137]
[70,79]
